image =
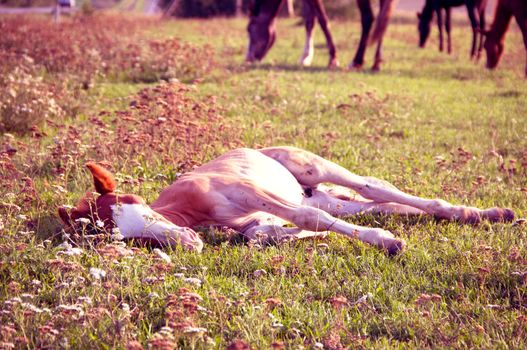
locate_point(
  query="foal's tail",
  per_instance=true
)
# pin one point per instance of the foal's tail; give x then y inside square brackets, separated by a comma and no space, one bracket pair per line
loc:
[382,21]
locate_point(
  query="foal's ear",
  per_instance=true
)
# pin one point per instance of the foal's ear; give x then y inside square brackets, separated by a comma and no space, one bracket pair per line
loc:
[102,178]
[418,15]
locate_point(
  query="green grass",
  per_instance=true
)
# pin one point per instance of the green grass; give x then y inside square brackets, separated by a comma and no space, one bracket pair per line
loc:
[393,125]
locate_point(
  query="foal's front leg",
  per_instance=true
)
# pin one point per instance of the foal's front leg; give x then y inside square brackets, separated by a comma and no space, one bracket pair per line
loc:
[252,198]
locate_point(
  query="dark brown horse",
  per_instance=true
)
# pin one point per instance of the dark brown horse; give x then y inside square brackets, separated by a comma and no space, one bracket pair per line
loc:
[476,15]
[262,30]
[494,43]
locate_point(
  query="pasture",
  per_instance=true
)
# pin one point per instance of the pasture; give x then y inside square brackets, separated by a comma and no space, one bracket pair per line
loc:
[432,124]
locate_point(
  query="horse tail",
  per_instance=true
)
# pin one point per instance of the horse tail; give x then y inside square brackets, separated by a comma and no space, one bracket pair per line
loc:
[382,21]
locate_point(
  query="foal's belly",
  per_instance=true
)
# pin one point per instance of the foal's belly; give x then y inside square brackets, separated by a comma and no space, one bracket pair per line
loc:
[264,173]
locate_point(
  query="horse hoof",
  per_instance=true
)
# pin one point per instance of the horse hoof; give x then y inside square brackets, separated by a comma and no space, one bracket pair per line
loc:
[355,67]
[333,64]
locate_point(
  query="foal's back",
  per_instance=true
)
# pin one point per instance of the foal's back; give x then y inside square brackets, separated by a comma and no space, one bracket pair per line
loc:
[252,166]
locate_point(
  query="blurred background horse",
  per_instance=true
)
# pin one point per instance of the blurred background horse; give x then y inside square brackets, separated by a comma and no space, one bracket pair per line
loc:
[262,30]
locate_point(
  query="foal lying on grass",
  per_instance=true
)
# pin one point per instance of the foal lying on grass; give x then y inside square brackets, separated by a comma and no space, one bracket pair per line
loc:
[256,192]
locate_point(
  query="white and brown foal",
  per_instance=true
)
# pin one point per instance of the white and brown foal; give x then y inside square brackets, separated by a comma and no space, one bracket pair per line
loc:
[257,192]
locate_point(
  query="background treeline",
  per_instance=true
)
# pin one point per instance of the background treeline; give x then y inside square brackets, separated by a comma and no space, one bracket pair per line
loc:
[210,8]
[202,8]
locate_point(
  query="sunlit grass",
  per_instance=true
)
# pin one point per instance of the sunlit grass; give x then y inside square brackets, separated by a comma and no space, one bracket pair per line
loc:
[432,124]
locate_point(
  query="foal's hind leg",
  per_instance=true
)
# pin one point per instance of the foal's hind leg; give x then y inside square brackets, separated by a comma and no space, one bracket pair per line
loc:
[311,170]
[308,12]
[331,200]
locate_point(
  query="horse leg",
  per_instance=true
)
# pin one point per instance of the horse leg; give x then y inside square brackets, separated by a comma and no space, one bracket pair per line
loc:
[378,57]
[448,27]
[439,14]
[474,23]
[521,19]
[308,12]
[366,15]
[481,28]
[324,24]
[311,170]
[378,52]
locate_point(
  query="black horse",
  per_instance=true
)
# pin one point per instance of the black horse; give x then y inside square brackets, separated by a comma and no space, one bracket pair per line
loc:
[476,15]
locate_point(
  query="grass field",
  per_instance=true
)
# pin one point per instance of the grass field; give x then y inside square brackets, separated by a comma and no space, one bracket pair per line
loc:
[432,124]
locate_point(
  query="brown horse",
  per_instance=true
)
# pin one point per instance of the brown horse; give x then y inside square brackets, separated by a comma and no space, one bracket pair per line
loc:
[495,37]
[262,31]
[476,15]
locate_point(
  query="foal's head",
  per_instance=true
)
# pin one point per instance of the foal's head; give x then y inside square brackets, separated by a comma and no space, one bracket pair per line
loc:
[261,28]
[423,26]
[98,209]
[127,212]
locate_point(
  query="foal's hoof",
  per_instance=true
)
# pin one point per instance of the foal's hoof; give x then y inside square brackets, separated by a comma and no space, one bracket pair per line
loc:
[498,215]
[394,246]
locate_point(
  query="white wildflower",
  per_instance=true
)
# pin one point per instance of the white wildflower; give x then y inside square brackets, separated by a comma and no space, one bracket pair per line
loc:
[162,255]
[21,217]
[153,295]
[70,308]
[259,273]
[36,283]
[318,345]
[202,309]
[179,275]
[97,274]
[166,331]
[116,234]
[194,330]
[99,223]
[125,307]
[363,298]
[150,280]
[84,300]
[83,221]
[193,280]
[32,307]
